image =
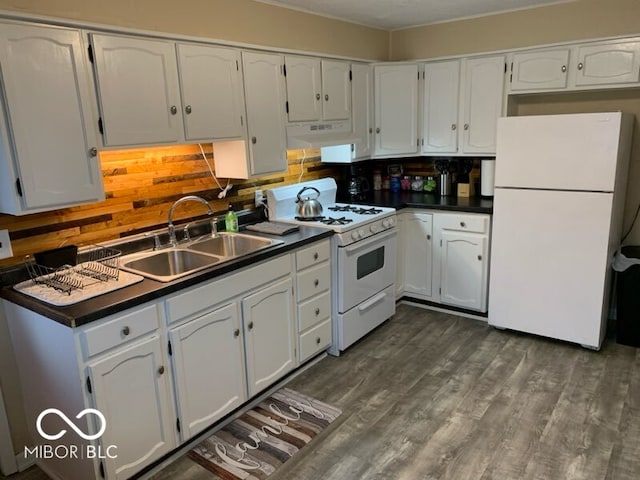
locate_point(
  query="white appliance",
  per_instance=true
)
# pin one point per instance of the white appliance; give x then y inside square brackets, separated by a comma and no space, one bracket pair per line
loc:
[560,183]
[363,258]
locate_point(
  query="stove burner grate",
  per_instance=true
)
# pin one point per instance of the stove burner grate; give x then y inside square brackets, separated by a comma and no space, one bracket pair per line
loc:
[336,221]
[319,218]
[368,211]
[343,208]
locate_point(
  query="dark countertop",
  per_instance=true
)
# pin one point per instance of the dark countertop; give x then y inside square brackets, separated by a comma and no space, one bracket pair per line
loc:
[148,290]
[409,199]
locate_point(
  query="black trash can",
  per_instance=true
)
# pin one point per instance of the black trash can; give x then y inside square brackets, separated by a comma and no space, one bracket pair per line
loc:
[628,302]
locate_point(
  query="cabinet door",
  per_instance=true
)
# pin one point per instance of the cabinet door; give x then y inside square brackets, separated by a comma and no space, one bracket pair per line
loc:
[362,109]
[269,335]
[440,107]
[137,82]
[336,90]
[133,391]
[540,70]
[463,269]
[396,109]
[304,89]
[212,95]
[51,122]
[265,99]
[481,103]
[418,255]
[611,63]
[209,368]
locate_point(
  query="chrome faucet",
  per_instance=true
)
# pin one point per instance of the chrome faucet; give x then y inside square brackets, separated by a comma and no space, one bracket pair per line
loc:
[173,241]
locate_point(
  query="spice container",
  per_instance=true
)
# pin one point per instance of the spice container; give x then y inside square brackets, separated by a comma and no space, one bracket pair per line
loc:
[405,183]
[377,180]
[417,183]
[430,185]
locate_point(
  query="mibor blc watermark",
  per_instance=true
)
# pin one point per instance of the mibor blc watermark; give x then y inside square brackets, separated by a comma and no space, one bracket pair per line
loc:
[71,451]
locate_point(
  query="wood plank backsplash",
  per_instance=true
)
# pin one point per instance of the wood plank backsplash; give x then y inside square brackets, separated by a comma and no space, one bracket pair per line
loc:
[141,185]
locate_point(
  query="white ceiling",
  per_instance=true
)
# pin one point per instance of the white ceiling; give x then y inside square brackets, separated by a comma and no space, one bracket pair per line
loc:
[395,14]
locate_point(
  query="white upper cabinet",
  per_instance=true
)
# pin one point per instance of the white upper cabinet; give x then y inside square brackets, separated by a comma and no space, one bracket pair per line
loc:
[362,109]
[317,89]
[608,64]
[138,90]
[212,94]
[482,97]
[597,65]
[440,107]
[540,70]
[265,97]
[396,109]
[48,125]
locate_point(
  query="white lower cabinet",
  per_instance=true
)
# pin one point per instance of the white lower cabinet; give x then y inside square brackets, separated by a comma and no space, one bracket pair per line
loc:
[132,389]
[446,257]
[208,365]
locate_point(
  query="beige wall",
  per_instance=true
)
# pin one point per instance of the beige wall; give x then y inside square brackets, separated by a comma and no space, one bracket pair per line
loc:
[579,20]
[231,20]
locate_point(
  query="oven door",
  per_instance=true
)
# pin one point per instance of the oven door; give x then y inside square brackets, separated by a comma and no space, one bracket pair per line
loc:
[366,268]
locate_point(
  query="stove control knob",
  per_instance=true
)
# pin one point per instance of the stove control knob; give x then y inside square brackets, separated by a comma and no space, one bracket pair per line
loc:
[355,235]
[374,228]
[361,233]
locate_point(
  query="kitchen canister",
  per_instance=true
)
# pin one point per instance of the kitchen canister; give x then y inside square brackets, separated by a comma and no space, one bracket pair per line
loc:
[487,177]
[445,184]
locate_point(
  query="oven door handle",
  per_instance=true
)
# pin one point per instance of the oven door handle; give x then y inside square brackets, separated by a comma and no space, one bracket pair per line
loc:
[372,301]
[380,237]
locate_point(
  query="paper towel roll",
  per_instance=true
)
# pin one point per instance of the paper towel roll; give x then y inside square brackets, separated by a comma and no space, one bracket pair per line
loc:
[487,177]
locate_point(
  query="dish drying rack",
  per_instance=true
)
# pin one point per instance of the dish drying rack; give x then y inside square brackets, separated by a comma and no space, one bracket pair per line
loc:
[100,264]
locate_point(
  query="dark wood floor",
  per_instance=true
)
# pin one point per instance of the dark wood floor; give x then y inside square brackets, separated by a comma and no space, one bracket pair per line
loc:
[435,396]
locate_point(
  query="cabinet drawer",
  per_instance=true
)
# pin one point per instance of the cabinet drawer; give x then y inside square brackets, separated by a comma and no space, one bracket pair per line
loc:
[464,223]
[313,281]
[120,330]
[315,340]
[313,255]
[313,311]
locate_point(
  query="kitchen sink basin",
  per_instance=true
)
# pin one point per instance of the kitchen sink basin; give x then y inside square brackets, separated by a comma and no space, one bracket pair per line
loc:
[227,244]
[167,265]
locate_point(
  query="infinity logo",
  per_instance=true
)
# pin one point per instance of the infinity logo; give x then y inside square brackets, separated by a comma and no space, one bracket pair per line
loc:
[98,413]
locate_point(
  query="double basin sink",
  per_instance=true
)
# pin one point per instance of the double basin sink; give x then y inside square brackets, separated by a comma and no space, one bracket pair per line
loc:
[204,252]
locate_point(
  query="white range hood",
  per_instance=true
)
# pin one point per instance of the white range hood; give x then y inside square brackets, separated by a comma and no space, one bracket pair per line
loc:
[316,135]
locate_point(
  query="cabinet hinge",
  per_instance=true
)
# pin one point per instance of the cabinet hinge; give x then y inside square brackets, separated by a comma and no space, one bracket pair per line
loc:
[237,66]
[18,186]
[350,76]
[505,67]
[100,126]
[178,424]
[102,475]
[89,389]
[439,291]
[90,51]
[440,242]
[169,348]
[286,106]
[284,70]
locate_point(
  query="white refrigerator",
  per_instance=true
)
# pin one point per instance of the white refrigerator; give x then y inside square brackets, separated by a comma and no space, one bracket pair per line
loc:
[560,183]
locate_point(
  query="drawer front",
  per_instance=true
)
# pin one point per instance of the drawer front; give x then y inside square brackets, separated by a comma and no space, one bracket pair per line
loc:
[313,311]
[315,340]
[464,223]
[120,330]
[313,281]
[313,255]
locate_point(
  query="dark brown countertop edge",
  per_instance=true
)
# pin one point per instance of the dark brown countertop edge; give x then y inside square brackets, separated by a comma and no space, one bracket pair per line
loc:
[148,290]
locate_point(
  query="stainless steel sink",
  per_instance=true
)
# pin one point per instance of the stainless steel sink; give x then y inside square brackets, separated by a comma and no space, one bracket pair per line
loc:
[167,265]
[204,252]
[227,244]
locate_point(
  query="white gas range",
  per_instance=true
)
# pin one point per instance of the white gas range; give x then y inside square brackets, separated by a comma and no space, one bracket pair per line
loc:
[363,257]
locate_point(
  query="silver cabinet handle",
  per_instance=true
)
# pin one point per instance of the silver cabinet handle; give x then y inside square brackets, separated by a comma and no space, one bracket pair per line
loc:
[326,97]
[161,370]
[480,257]
[580,66]
[318,341]
[236,333]
[370,130]
[254,140]
[250,325]
[378,130]
[428,237]
[187,109]
[315,256]
[462,224]
[317,96]
[93,151]
[316,282]
[317,311]
[564,68]
[126,331]
[466,126]
[453,126]
[173,109]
